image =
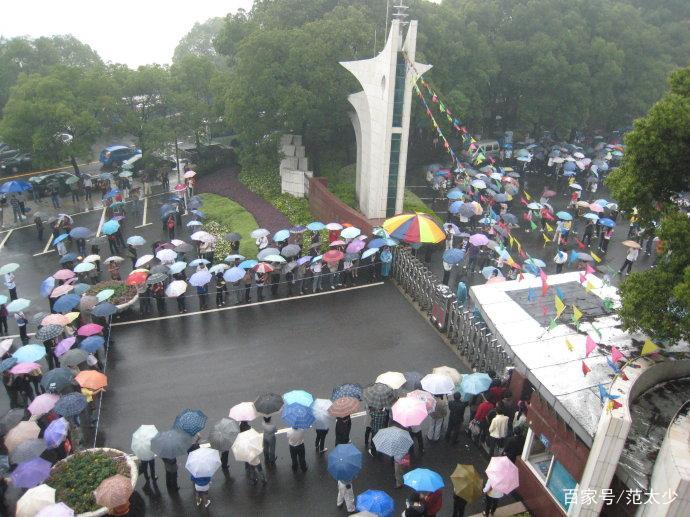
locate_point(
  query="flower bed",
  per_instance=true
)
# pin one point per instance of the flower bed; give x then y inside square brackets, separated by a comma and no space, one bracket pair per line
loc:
[123,293]
[77,476]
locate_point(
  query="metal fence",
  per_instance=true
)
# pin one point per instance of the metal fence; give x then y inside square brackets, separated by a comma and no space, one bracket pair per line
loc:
[465,328]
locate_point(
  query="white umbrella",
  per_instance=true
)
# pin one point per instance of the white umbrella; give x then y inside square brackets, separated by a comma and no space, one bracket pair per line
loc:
[202,236]
[438,384]
[455,375]
[203,462]
[189,174]
[259,232]
[320,409]
[141,442]
[176,288]
[334,226]
[92,258]
[114,258]
[145,259]
[393,380]
[83,267]
[243,412]
[165,255]
[248,445]
[195,223]
[34,500]
[575,186]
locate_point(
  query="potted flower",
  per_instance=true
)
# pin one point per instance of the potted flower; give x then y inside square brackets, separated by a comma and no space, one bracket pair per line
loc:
[123,297]
[76,477]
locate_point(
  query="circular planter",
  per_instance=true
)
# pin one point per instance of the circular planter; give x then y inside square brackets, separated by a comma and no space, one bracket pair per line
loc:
[127,305]
[133,474]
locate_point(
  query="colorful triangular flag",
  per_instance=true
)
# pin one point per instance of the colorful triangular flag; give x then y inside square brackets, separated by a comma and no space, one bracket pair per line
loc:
[560,293]
[589,286]
[589,270]
[649,348]
[595,256]
[560,306]
[577,314]
[585,369]
[527,195]
[616,354]
[530,294]
[552,325]
[569,345]
[590,345]
[613,365]
[596,330]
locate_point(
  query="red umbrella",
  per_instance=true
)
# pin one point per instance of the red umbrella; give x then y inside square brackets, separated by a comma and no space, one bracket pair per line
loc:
[263,267]
[135,278]
[333,256]
[90,329]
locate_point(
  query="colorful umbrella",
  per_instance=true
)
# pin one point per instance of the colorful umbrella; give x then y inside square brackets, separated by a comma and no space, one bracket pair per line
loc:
[136,278]
[409,411]
[56,432]
[423,480]
[9,268]
[347,390]
[376,502]
[23,368]
[298,416]
[71,404]
[92,380]
[43,403]
[467,483]
[333,256]
[110,227]
[344,462]
[30,353]
[20,433]
[203,462]
[243,412]
[66,303]
[103,310]
[343,406]
[90,329]
[263,267]
[200,278]
[191,421]
[248,445]
[393,441]
[479,239]
[18,305]
[503,474]
[417,227]
[114,491]
[475,383]
[299,397]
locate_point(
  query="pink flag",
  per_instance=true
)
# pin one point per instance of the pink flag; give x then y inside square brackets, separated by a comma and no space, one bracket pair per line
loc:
[616,354]
[589,270]
[543,276]
[590,345]
[583,278]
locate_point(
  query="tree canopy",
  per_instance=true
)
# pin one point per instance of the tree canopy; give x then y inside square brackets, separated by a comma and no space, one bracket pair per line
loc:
[654,180]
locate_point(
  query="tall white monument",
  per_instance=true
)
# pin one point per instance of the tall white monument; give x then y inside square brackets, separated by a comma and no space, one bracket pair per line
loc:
[382,118]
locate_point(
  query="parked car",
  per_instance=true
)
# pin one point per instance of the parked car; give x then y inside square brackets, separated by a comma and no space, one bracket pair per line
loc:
[8,153]
[19,163]
[114,155]
[45,182]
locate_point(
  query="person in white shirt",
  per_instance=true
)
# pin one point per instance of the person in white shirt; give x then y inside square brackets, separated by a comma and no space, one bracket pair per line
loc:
[491,497]
[498,430]
[11,285]
[346,496]
[296,442]
[630,258]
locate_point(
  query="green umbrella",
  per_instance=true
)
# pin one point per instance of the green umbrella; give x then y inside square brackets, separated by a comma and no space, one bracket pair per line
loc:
[9,268]
[18,305]
[104,294]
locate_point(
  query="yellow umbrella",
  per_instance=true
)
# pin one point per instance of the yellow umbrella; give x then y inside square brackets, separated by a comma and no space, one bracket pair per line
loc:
[71,316]
[467,483]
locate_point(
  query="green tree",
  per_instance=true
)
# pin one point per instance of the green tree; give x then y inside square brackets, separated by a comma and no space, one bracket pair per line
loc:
[653,178]
[198,42]
[59,115]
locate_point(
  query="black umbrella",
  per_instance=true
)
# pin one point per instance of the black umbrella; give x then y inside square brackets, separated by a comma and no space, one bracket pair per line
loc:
[171,444]
[49,332]
[57,379]
[156,278]
[378,395]
[268,403]
[413,381]
[233,236]
[73,357]
[291,250]
[224,433]
[70,405]
[185,247]
[160,268]
[10,419]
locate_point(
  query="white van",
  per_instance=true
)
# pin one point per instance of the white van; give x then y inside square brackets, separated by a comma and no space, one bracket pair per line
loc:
[489,147]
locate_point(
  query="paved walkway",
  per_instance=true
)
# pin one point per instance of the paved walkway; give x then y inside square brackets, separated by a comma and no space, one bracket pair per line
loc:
[226,183]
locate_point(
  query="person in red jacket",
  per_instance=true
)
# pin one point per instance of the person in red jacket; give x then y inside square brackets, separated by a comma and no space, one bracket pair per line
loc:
[433,502]
[481,414]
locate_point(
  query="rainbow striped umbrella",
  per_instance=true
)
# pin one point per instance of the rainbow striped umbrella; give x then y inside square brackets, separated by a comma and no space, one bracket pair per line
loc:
[414,228]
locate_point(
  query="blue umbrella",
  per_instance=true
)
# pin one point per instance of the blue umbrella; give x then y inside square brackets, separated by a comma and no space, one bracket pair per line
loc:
[136,240]
[111,227]
[80,289]
[569,166]
[56,432]
[80,232]
[489,271]
[475,383]
[92,343]
[198,262]
[31,473]
[191,421]
[344,462]
[298,397]
[112,193]
[453,256]
[68,257]
[70,405]
[454,194]
[607,222]
[66,302]
[298,416]
[423,480]
[248,264]
[377,502]
[234,274]
[29,353]
[535,262]
[8,363]
[60,238]
[281,235]
[455,206]
[104,309]
[47,287]
[316,226]
[565,216]
[200,278]
[177,267]
[347,390]
[601,202]
[15,186]
[198,213]
[376,243]
[592,216]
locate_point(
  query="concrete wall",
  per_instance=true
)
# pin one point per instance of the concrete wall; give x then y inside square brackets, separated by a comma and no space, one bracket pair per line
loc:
[328,208]
[294,173]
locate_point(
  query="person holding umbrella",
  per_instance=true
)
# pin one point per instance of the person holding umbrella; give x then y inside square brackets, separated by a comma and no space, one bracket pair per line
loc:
[296,442]
[342,429]
[606,234]
[491,497]
[11,285]
[631,257]
[3,319]
[21,320]
[132,254]
[269,429]
[260,280]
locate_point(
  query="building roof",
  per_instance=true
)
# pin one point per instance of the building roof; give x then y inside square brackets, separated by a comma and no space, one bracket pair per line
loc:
[515,311]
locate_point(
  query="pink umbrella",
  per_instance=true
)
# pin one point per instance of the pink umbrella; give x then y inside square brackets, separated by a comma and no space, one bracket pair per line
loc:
[596,208]
[427,397]
[61,289]
[355,246]
[243,412]
[43,404]
[180,187]
[22,368]
[64,345]
[503,474]
[63,274]
[479,239]
[337,243]
[90,329]
[409,411]
[496,280]
[55,319]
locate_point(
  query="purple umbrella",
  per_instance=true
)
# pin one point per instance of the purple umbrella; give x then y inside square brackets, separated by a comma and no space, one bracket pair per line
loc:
[31,473]
[479,239]
[303,260]
[64,345]
[355,246]
[200,278]
[43,403]
[56,432]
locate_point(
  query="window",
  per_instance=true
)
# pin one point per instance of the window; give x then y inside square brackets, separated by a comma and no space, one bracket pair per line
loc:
[392,192]
[548,469]
[399,96]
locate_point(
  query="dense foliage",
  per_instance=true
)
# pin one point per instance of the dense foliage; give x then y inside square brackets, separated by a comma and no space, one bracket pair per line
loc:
[123,293]
[224,216]
[652,179]
[75,478]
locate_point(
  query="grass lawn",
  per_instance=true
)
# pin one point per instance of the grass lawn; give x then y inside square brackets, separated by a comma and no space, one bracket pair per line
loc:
[223,216]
